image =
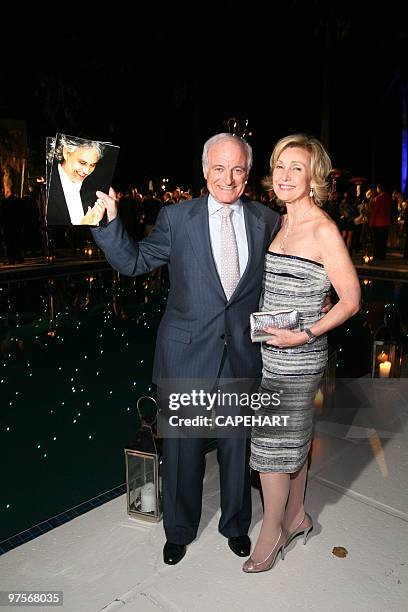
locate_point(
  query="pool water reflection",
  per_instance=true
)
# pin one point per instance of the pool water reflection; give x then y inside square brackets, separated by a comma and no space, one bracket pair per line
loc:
[76,353]
[353,340]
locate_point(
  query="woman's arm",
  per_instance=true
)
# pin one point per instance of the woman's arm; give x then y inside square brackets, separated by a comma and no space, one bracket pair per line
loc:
[342,274]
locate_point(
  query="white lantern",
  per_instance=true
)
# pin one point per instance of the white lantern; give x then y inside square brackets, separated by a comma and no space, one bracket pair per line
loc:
[143,466]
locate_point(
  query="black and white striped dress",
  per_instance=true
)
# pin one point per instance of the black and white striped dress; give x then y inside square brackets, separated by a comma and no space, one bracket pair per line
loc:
[290,282]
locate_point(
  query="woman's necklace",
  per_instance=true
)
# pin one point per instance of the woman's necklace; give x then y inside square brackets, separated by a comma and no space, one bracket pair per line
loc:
[286,232]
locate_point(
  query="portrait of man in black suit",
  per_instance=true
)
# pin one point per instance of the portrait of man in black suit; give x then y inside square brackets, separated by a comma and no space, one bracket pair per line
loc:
[78,168]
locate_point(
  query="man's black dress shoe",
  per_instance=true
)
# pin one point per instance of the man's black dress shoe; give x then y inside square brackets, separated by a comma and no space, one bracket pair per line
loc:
[173,553]
[241,545]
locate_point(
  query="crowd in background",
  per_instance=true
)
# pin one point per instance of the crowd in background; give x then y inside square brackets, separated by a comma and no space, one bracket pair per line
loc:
[371,220]
[20,226]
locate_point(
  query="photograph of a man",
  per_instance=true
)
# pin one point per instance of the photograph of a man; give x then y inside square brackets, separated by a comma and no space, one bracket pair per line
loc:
[79,168]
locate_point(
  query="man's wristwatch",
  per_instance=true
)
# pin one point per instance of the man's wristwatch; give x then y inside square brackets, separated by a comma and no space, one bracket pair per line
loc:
[311,335]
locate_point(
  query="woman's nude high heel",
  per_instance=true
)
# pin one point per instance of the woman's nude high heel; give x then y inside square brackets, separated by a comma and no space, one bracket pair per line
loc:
[251,566]
[304,527]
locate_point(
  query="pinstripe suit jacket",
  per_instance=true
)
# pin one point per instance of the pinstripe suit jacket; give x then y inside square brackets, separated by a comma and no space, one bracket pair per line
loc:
[198,319]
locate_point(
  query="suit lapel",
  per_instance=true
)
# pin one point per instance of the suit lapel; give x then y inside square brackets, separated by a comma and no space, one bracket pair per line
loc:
[198,229]
[255,231]
[57,207]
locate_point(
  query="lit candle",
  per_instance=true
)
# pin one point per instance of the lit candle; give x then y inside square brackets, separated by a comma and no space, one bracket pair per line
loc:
[148,498]
[366,259]
[385,369]
[382,357]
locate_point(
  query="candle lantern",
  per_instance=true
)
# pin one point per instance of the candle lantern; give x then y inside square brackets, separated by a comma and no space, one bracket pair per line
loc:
[387,359]
[89,248]
[388,346]
[143,467]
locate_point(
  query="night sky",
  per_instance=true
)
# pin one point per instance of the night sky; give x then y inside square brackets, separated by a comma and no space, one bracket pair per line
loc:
[158,83]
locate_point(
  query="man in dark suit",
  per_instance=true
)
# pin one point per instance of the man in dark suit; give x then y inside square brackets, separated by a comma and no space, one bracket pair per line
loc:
[70,196]
[57,206]
[204,333]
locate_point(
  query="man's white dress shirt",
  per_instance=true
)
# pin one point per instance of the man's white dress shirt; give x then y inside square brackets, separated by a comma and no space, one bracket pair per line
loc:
[72,197]
[238,221]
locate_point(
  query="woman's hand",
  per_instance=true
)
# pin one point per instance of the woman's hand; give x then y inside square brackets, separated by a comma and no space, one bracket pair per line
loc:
[285,338]
[110,202]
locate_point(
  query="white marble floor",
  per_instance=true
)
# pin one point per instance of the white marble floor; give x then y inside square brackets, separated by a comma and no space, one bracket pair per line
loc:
[357,495]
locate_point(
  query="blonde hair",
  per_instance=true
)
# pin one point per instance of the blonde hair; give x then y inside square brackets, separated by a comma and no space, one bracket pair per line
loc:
[320,163]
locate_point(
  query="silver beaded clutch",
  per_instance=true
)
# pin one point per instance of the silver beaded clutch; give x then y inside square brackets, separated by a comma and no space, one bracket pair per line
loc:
[284,319]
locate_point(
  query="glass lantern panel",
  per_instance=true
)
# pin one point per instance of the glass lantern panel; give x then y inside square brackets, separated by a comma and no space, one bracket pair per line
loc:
[387,358]
[141,475]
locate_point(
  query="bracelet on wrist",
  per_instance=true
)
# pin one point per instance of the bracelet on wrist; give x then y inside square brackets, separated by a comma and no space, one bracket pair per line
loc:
[310,334]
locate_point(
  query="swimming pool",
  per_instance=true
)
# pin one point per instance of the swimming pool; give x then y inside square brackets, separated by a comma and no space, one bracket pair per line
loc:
[76,353]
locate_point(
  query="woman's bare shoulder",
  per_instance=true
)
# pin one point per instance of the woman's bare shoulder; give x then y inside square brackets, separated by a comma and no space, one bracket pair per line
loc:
[328,237]
[324,224]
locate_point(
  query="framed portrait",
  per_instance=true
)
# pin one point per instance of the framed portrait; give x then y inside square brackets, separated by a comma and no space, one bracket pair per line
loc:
[76,169]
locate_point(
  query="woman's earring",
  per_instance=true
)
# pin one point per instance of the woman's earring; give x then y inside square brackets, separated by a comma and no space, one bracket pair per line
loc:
[311,193]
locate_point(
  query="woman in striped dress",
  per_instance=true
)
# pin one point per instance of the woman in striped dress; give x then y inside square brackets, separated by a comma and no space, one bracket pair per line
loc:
[306,257]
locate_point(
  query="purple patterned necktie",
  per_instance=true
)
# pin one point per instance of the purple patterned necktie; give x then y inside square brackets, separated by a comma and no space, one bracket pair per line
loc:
[229,265]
